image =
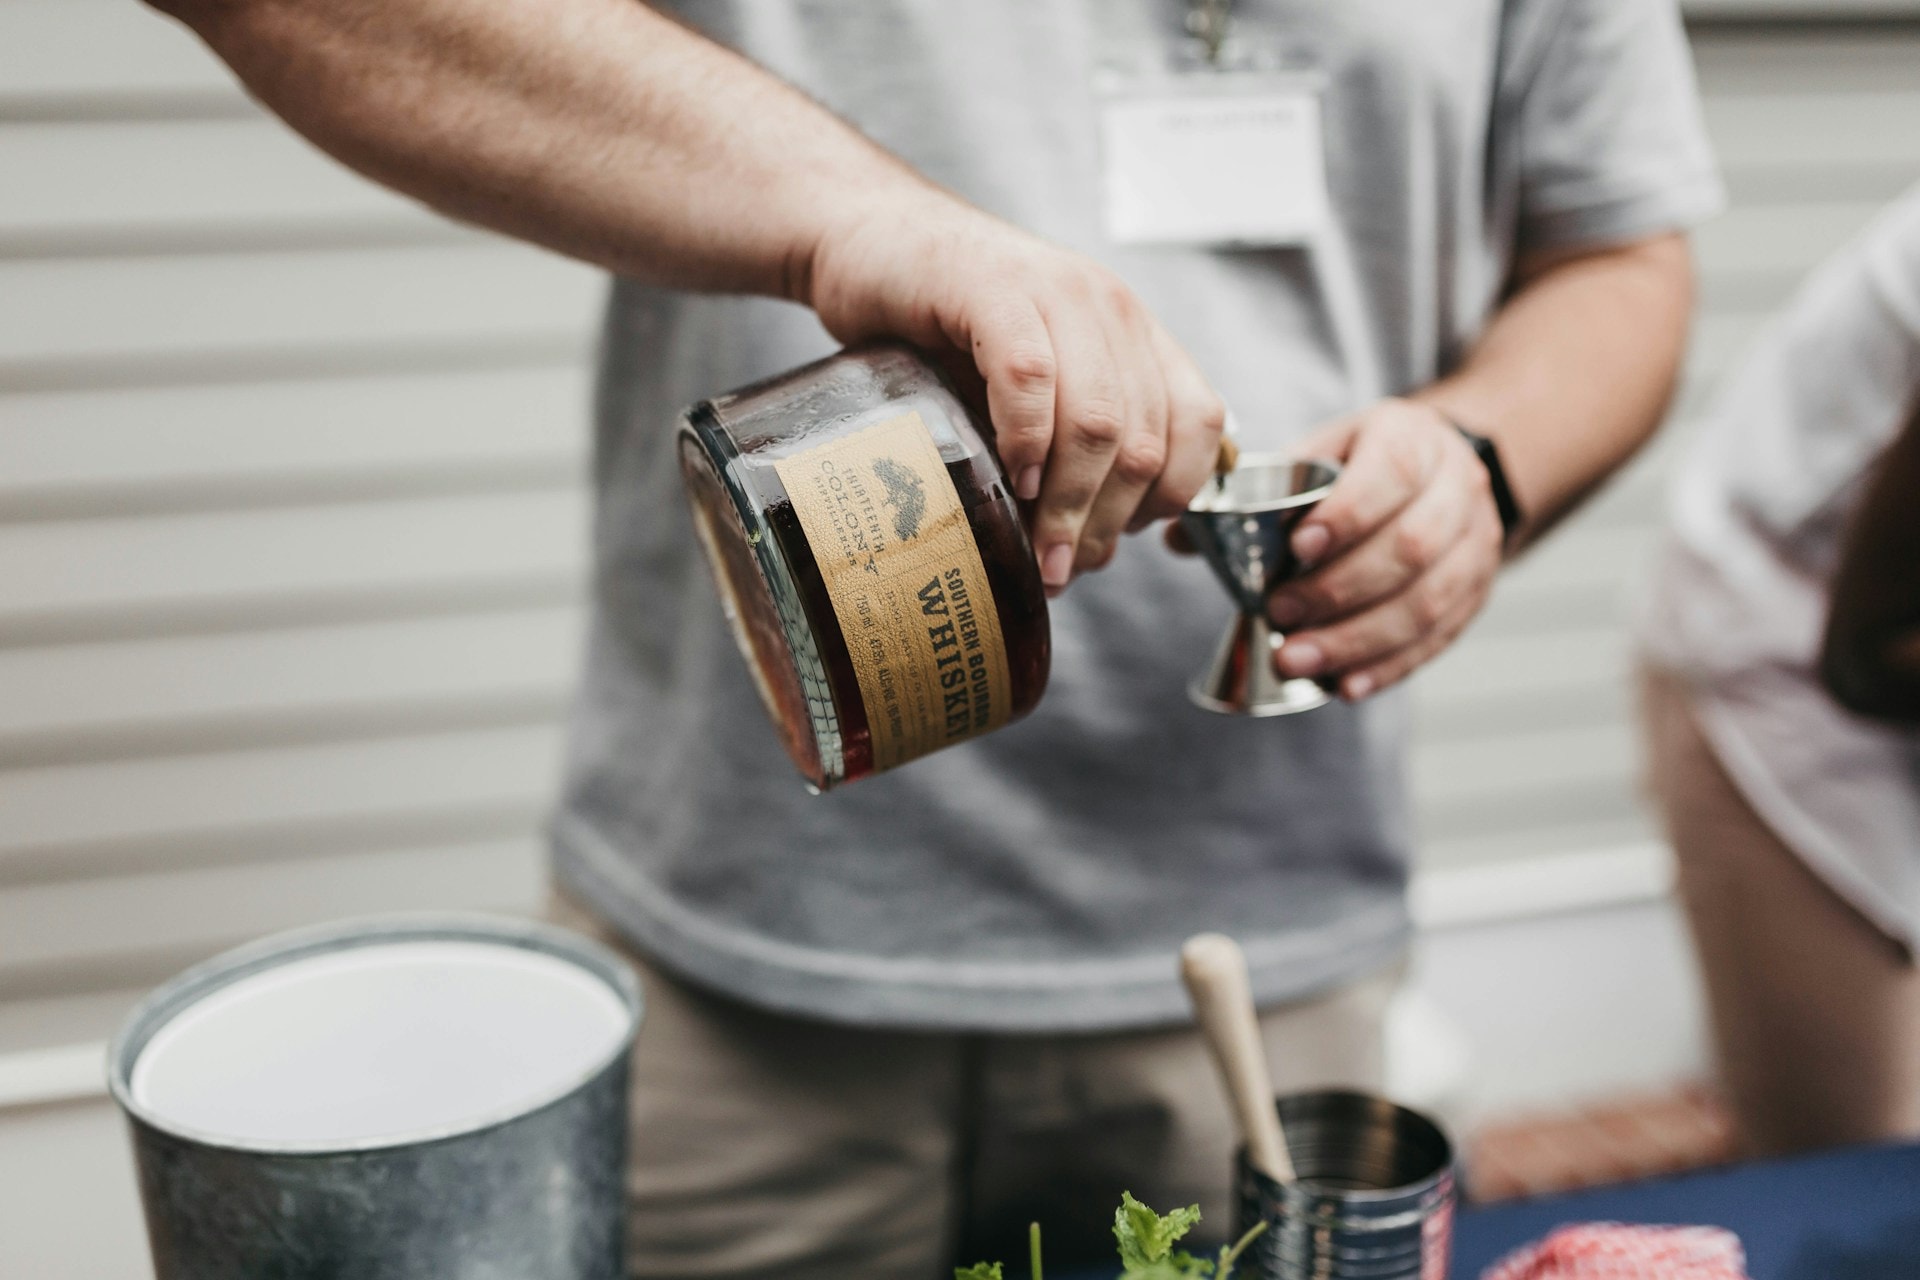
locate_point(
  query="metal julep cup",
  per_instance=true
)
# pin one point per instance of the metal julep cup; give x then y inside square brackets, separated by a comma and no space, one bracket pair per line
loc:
[387,1099]
[1241,524]
[1374,1200]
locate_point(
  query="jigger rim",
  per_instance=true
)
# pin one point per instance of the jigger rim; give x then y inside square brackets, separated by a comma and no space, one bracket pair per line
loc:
[1210,500]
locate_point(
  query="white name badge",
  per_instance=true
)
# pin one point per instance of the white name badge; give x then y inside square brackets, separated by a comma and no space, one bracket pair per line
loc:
[1244,167]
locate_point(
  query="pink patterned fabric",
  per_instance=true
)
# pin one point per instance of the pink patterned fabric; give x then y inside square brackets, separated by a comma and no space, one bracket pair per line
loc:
[1613,1251]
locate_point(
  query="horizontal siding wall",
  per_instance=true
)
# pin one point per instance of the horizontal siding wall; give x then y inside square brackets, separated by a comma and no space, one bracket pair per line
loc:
[291,514]
[291,528]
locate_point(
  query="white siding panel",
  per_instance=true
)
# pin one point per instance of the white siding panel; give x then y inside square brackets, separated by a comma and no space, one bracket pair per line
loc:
[1811,60]
[1491,773]
[1578,559]
[67,179]
[1787,131]
[72,1206]
[1509,668]
[101,51]
[282,431]
[1779,239]
[68,1018]
[1789,64]
[1799,10]
[276,677]
[55,567]
[131,800]
[66,310]
[175,911]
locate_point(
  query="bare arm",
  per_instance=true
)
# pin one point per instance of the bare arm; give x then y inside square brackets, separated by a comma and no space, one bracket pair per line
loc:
[1569,378]
[1574,373]
[594,127]
[1870,660]
[605,131]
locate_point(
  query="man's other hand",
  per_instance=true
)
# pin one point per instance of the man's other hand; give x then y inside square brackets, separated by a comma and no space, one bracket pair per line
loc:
[1099,415]
[1398,557]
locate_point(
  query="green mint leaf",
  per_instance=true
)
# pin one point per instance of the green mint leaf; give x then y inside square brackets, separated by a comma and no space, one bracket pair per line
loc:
[1146,1238]
[1181,1266]
[978,1271]
[1136,1229]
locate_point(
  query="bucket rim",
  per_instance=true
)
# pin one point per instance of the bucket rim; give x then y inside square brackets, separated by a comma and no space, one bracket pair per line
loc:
[174,996]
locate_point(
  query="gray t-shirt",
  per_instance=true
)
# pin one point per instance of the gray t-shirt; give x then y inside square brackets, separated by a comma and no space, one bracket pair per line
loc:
[1042,877]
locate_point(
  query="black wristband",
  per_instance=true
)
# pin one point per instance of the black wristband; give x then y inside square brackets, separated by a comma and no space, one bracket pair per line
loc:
[1503,500]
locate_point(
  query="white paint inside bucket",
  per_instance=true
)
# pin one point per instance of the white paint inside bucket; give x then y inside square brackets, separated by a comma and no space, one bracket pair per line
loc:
[377,1043]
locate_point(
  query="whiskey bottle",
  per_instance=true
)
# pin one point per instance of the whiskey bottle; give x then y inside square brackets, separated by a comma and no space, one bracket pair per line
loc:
[871,561]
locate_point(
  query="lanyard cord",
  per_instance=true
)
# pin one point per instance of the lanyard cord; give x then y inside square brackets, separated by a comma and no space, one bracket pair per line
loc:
[1208,19]
[1334,267]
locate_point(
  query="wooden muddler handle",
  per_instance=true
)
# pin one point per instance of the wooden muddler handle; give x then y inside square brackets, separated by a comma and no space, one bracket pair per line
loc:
[1215,972]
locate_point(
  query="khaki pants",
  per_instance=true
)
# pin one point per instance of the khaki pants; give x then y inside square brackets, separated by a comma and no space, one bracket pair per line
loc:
[1816,1013]
[771,1146]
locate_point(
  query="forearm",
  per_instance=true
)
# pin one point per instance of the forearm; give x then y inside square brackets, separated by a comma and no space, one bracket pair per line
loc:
[1576,370]
[1870,660]
[603,130]
[594,127]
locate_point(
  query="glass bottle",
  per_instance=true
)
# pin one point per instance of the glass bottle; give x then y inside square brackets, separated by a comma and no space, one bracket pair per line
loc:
[870,558]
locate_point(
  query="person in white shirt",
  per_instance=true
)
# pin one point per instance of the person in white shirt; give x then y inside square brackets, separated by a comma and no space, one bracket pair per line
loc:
[1782,702]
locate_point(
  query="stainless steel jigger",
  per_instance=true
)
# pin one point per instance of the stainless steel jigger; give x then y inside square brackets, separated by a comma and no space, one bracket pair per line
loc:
[1241,523]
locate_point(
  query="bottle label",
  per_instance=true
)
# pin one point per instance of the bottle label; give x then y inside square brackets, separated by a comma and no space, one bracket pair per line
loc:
[898,556]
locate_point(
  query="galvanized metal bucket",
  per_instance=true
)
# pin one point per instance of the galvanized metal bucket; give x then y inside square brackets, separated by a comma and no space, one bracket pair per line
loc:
[533,1187]
[1374,1200]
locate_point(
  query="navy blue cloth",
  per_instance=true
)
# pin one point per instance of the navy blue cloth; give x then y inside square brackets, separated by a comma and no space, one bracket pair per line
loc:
[1852,1214]
[1841,1215]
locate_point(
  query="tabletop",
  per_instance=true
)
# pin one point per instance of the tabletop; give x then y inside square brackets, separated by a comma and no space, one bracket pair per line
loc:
[1852,1214]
